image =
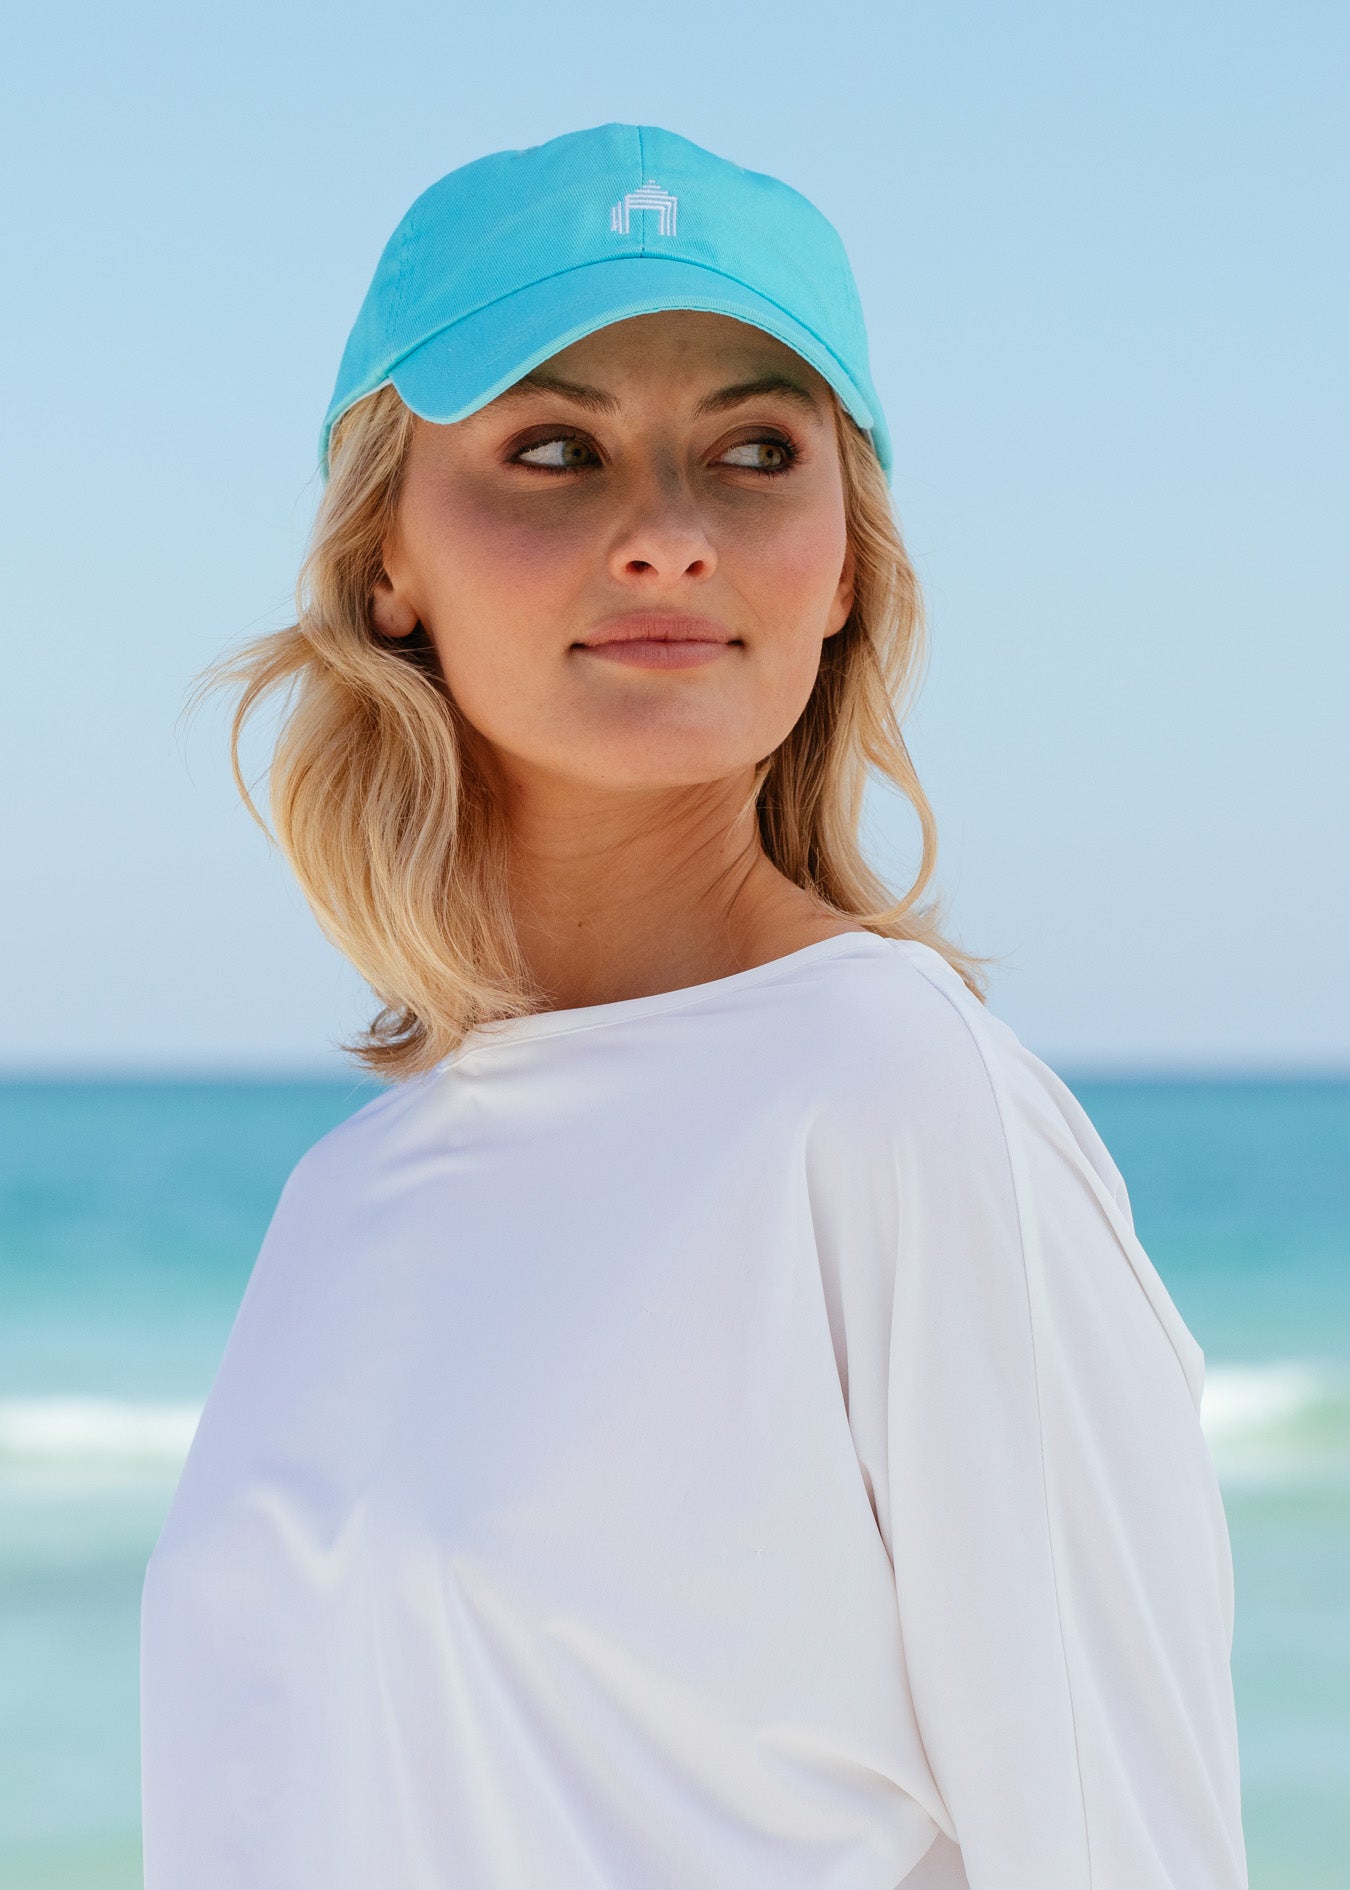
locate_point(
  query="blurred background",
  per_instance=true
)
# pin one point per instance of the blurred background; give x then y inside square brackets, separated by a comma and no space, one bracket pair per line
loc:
[1102,255]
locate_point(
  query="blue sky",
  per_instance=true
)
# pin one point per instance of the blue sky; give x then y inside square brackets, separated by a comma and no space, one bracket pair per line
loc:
[1102,254]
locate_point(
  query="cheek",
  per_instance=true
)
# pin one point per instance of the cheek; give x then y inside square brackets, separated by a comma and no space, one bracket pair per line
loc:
[486,579]
[790,579]
[490,559]
[790,572]
[492,589]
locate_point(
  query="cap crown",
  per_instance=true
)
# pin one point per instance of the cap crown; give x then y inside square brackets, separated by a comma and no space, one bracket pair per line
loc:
[517,219]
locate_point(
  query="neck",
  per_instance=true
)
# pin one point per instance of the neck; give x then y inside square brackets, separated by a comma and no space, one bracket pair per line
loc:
[621,894]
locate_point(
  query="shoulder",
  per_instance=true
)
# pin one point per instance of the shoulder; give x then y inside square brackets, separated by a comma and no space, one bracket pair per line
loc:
[917,1053]
[895,1011]
[899,1047]
[977,1147]
[343,1162]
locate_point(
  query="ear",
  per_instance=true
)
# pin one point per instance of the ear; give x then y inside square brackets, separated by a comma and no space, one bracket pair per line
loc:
[390,612]
[843,597]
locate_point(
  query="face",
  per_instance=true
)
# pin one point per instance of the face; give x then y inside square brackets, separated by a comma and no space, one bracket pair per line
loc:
[629,561]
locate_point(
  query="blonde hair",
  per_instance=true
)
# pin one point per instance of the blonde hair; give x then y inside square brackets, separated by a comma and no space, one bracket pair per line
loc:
[391,828]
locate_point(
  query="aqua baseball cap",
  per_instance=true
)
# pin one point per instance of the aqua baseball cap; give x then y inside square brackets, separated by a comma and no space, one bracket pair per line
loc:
[508,259]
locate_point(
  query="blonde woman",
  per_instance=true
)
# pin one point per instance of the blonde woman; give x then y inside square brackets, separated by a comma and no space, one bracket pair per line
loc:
[709,1424]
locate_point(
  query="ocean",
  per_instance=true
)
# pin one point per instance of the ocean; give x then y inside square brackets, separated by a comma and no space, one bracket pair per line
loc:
[130,1215]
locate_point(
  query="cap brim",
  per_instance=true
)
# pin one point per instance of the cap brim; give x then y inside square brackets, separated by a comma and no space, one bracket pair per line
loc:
[466,365]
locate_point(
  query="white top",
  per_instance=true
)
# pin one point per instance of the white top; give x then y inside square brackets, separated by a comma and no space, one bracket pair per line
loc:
[729,1439]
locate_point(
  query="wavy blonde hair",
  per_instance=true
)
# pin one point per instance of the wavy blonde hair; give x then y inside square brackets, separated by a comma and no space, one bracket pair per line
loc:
[392,830]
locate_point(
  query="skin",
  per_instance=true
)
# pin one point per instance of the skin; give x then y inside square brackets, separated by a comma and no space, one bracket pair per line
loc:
[623,477]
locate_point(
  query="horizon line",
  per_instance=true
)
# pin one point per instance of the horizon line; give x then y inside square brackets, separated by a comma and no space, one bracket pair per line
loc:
[1069,1069]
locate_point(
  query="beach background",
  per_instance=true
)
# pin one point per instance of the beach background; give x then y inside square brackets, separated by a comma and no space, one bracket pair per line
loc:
[1101,254]
[131,1213]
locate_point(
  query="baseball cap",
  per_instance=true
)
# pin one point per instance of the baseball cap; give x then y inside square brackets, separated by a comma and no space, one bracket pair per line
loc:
[514,256]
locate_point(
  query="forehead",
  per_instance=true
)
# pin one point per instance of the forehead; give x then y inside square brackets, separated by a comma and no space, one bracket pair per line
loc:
[681,347]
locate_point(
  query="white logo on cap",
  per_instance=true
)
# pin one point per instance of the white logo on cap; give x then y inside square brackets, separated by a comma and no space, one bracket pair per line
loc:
[650,197]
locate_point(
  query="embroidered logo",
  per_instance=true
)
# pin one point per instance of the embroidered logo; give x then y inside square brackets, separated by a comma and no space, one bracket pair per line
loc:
[650,197]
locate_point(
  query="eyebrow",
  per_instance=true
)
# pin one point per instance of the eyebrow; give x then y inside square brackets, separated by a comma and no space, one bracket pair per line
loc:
[593,398]
[755,390]
[596,400]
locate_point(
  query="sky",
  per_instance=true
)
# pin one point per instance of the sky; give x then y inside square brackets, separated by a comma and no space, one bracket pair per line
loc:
[1102,256]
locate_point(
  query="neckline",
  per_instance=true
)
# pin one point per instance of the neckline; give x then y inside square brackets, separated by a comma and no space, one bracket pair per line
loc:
[509,1030]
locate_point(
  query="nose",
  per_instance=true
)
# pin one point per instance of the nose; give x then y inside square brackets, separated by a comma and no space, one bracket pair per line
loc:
[663,536]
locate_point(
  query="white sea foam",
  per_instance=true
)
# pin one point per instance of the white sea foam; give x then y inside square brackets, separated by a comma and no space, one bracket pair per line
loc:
[1242,1399]
[1284,1421]
[98,1437]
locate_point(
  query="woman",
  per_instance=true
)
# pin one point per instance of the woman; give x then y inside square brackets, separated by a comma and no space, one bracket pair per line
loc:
[709,1424]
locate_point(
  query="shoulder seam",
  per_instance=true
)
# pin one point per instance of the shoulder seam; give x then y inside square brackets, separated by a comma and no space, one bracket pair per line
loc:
[1017,1184]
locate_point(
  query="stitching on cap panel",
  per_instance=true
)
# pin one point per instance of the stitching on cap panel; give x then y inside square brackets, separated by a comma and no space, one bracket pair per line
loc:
[642,178]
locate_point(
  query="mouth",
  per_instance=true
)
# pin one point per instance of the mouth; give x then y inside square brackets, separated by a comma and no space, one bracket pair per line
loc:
[650,627]
[644,640]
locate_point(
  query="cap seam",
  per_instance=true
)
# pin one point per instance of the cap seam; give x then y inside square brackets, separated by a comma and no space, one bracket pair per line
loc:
[642,178]
[402,278]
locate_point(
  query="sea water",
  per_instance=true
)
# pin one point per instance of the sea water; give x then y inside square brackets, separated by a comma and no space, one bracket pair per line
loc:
[130,1214]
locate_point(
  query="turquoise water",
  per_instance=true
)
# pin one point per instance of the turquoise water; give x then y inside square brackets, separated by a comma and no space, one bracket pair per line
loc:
[130,1213]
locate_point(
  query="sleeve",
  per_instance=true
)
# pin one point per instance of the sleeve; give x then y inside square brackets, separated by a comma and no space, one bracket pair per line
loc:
[1061,1555]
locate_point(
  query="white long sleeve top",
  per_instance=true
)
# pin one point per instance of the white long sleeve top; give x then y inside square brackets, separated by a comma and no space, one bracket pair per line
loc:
[728,1439]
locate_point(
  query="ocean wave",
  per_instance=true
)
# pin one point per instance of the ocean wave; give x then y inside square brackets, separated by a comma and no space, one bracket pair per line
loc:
[1283,1422]
[1286,1420]
[99,1437]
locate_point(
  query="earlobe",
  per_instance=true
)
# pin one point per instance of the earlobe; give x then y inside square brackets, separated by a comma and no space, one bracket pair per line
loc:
[842,608]
[390,615]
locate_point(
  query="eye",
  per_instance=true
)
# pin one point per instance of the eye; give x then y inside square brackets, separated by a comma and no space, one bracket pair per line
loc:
[565,452]
[763,456]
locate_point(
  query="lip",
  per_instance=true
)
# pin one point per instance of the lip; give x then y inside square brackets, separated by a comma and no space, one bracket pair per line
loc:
[653,627]
[650,641]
